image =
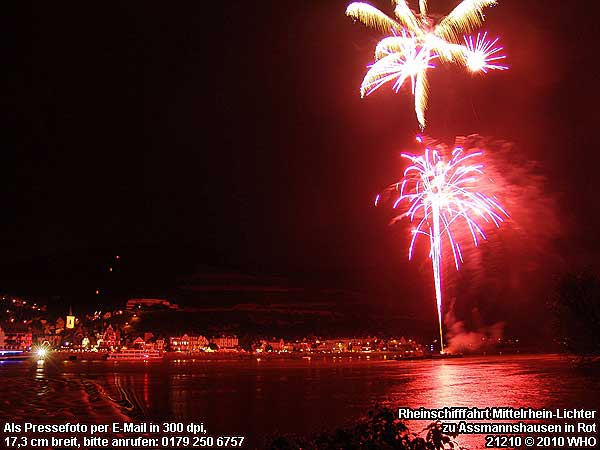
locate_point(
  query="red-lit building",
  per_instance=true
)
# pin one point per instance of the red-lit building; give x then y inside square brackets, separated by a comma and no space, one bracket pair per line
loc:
[187,343]
[16,337]
[109,339]
[225,341]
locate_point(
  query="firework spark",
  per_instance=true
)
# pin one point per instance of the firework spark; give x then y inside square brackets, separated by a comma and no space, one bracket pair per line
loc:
[483,55]
[400,58]
[416,39]
[442,197]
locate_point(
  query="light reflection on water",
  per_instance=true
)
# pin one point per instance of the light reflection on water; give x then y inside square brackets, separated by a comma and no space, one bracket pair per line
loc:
[292,396]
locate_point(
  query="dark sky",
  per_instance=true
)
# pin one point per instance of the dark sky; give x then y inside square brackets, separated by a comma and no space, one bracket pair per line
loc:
[231,134]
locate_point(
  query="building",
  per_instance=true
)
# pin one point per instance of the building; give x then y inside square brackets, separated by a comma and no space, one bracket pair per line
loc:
[297,346]
[51,340]
[139,343]
[136,304]
[70,324]
[225,341]
[1,338]
[109,338]
[60,325]
[144,343]
[335,345]
[17,337]
[187,343]
[273,346]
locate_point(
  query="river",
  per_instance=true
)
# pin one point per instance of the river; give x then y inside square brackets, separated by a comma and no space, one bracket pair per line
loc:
[258,398]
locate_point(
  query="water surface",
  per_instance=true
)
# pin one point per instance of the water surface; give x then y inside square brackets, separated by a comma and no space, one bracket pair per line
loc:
[258,398]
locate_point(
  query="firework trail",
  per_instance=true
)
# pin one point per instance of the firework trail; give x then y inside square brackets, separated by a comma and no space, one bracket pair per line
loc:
[418,39]
[442,196]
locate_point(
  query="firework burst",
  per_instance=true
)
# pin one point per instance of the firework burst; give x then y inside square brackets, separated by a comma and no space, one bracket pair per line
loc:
[442,196]
[415,39]
[483,54]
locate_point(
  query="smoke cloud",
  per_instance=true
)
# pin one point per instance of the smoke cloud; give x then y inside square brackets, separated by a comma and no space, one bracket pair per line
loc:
[461,340]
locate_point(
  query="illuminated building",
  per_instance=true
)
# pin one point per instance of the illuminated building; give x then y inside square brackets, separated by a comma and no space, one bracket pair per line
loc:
[187,343]
[109,338]
[139,343]
[70,320]
[336,345]
[17,337]
[147,342]
[50,340]
[275,346]
[225,341]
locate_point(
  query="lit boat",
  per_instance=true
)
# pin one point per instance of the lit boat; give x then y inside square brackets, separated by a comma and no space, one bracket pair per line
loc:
[14,355]
[135,355]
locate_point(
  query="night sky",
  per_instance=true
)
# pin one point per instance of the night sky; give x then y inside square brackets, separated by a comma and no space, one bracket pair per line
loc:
[231,136]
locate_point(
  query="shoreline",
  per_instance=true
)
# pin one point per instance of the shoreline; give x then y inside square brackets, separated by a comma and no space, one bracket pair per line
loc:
[233,356]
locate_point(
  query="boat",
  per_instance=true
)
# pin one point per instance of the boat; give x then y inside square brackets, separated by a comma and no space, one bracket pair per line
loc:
[14,355]
[447,355]
[135,355]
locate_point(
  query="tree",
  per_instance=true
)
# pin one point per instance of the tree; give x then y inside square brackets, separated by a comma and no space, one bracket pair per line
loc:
[381,430]
[214,347]
[577,304]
